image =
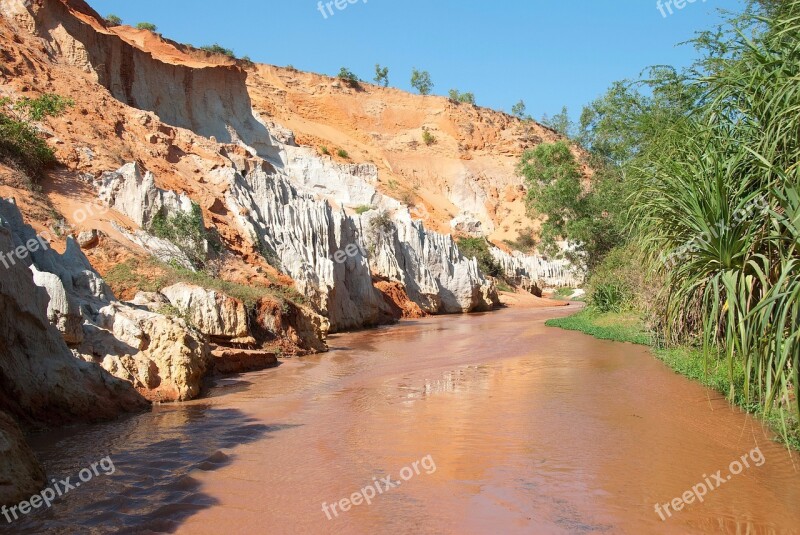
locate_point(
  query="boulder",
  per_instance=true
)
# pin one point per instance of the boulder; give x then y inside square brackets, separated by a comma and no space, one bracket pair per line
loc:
[211,312]
[88,239]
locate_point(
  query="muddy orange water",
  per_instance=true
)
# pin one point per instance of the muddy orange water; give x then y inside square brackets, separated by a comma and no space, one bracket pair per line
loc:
[514,427]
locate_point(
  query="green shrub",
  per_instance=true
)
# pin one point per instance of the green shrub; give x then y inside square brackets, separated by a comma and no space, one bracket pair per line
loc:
[465,98]
[184,229]
[20,143]
[343,154]
[428,138]
[22,146]
[348,77]
[218,49]
[47,105]
[149,26]
[479,248]
[113,20]
[421,81]
[324,150]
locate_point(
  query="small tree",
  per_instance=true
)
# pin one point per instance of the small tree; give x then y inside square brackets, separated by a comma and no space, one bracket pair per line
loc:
[560,122]
[149,26]
[113,20]
[348,77]
[428,138]
[421,81]
[466,98]
[519,109]
[381,75]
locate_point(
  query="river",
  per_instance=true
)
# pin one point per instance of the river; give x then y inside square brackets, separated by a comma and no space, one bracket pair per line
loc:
[485,423]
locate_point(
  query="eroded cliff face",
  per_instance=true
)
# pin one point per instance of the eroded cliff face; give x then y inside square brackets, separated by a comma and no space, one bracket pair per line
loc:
[158,127]
[40,379]
[211,100]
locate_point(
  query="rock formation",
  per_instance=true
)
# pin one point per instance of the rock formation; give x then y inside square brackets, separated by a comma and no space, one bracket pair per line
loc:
[535,273]
[162,357]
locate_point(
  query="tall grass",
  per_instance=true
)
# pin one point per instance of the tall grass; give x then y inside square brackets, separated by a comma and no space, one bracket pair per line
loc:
[720,194]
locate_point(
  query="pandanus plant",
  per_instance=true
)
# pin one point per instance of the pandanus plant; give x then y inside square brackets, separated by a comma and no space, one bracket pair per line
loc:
[718,210]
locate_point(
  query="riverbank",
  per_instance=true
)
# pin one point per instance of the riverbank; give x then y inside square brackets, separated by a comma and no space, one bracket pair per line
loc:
[685,360]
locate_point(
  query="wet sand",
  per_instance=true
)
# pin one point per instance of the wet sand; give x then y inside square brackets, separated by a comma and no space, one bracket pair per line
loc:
[531,430]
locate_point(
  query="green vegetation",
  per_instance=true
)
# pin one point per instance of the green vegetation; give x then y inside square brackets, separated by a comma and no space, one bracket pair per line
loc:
[324,150]
[381,75]
[692,220]
[428,138]
[186,230]
[348,77]
[149,26]
[150,275]
[21,144]
[560,122]
[479,248]
[364,208]
[421,81]
[113,20]
[465,98]
[519,110]
[341,153]
[555,189]
[47,105]
[218,49]
[617,326]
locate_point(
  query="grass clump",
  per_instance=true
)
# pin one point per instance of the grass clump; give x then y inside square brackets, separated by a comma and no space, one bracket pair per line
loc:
[150,275]
[428,138]
[616,326]
[341,153]
[324,150]
[364,208]
[218,49]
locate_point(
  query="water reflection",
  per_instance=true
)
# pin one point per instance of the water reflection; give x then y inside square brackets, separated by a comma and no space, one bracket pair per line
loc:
[156,457]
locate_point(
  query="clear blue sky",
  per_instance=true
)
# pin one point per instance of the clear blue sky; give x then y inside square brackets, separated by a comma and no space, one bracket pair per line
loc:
[549,53]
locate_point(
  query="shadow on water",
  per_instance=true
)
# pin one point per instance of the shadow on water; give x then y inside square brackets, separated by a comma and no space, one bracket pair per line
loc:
[152,488]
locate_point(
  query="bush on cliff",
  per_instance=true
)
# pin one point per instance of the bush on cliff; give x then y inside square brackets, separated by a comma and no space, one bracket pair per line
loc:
[149,26]
[218,49]
[21,144]
[186,230]
[479,248]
